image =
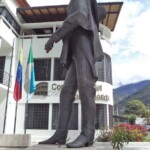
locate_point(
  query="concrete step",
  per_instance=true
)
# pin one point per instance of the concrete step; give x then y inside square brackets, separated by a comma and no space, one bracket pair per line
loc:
[15,140]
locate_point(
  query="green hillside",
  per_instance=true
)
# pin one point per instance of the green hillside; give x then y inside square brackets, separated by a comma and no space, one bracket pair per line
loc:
[142,94]
[128,90]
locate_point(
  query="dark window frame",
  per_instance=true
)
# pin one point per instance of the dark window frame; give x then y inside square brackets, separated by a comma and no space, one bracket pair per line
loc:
[37,118]
[42,72]
[2,66]
[59,72]
[101,116]
[6,14]
[104,69]
[73,124]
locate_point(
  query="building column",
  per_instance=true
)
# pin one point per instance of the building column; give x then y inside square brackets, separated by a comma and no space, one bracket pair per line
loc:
[107,107]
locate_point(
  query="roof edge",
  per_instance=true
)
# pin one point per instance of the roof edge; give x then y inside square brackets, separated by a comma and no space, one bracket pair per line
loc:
[22,3]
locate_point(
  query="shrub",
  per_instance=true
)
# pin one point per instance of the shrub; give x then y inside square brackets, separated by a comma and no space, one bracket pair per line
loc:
[125,133]
[132,119]
[136,107]
[136,133]
[105,136]
[119,137]
[146,114]
[142,129]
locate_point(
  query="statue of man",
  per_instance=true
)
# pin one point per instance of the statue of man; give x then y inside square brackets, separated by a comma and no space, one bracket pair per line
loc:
[81,49]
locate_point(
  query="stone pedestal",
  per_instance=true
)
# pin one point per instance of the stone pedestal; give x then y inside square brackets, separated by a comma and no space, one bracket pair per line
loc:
[15,140]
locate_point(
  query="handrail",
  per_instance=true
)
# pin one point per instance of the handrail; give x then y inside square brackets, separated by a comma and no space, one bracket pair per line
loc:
[4,78]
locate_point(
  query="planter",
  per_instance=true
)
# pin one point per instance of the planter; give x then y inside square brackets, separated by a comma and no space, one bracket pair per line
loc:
[15,140]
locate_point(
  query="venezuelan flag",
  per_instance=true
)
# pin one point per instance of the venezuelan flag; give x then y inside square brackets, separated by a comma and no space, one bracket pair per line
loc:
[18,84]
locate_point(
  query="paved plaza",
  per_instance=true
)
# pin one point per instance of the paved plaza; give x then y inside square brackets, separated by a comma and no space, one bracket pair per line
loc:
[96,146]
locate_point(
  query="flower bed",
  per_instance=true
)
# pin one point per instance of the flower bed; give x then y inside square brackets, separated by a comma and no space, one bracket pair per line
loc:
[125,133]
[135,133]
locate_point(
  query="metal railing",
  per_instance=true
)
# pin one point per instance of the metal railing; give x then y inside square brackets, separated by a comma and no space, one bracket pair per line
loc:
[4,78]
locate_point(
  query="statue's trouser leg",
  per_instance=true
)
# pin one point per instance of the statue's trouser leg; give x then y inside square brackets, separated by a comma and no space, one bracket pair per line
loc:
[86,83]
[67,97]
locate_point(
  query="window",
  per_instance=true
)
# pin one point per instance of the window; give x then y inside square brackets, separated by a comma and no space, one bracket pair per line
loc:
[59,73]
[2,64]
[73,125]
[38,115]
[108,68]
[5,13]
[48,31]
[100,70]
[104,69]
[42,69]
[101,116]
[110,116]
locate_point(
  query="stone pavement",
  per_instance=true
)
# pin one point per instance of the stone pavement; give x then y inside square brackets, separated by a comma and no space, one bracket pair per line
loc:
[96,146]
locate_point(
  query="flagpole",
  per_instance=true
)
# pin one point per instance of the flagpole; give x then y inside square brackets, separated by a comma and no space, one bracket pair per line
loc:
[26,116]
[15,121]
[26,108]
[6,106]
[29,83]
[15,117]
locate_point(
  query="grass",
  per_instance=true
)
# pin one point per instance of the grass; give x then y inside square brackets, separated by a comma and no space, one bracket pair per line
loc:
[147,138]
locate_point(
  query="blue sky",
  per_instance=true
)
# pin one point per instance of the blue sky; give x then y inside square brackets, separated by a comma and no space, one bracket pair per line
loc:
[130,40]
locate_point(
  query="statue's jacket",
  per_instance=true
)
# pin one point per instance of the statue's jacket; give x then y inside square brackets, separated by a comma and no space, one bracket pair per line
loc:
[80,15]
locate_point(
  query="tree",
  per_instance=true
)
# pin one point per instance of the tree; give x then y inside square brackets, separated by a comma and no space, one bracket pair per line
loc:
[136,107]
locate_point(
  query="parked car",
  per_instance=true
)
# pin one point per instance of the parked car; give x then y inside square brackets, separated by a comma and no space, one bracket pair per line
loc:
[147,126]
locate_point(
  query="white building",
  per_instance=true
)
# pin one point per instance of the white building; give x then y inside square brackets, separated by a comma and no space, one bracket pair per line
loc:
[17,28]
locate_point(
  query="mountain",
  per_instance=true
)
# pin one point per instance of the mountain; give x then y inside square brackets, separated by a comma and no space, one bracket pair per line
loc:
[125,91]
[142,95]
[135,91]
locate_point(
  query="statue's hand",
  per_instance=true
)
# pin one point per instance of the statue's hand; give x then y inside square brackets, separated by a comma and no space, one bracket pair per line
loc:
[101,58]
[49,45]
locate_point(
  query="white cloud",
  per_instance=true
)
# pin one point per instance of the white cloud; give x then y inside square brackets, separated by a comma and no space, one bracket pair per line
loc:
[140,39]
[131,56]
[132,71]
[47,2]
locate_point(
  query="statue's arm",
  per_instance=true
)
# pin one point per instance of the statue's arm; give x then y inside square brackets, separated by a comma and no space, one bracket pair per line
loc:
[65,29]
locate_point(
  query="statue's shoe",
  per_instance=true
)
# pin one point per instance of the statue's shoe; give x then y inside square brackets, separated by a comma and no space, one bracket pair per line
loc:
[53,141]
[57,138]
[81,141]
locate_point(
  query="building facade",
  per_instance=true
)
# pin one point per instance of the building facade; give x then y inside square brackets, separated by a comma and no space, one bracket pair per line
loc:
[24,27]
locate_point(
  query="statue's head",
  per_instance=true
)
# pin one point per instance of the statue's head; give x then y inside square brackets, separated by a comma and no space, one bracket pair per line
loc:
[101,13]
[98,11]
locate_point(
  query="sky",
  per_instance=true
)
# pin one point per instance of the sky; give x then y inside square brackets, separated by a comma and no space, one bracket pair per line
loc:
[130,41]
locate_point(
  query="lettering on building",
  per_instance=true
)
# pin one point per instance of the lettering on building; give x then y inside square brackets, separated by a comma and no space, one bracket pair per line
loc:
[55,91]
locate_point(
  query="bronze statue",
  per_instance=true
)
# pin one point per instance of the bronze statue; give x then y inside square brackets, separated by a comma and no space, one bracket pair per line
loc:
[81,49]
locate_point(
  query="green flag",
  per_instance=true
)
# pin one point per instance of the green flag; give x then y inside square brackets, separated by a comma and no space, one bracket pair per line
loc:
[30,86]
